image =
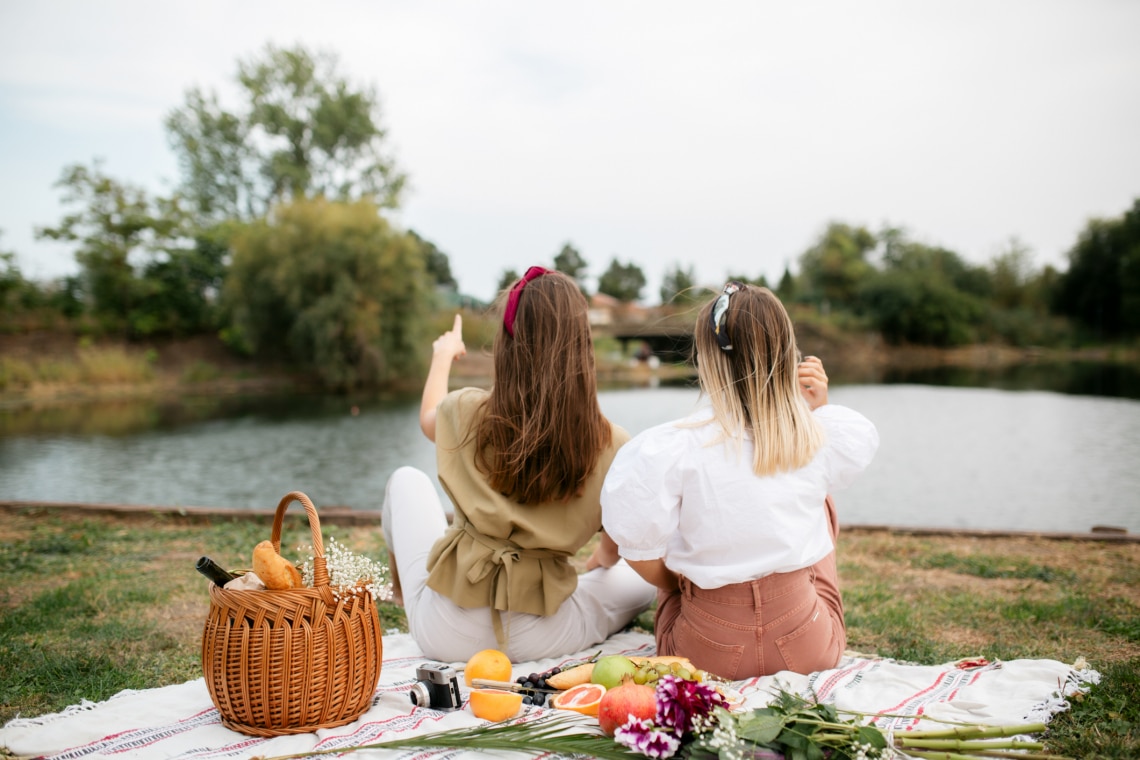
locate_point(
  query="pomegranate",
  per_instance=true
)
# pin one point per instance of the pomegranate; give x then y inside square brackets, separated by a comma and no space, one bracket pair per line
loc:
[624,701]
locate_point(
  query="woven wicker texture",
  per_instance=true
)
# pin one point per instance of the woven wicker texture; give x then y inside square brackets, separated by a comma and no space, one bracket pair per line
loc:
[290,662]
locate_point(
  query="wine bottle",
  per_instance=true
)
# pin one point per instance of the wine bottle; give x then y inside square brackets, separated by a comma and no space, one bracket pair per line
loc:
[214,571]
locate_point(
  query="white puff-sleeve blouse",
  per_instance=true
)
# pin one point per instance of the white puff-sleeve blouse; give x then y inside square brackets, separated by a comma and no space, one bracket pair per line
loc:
[676,492]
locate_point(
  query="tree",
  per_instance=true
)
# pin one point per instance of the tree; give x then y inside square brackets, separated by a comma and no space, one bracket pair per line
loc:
[760,281]
[570,262]
[303,131]
[117,228]
[507,279]
[900,253]
[330,286]
[925,294]
[180,286]
[834,268]
[16,293]
[786,290]
[920,307]
[436,263]
[1101,289]
[622,281]
[679,286]
[1011,272]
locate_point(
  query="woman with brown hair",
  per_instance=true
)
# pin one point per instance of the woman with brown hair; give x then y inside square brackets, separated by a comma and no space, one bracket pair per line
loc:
[523,465]
[728,511]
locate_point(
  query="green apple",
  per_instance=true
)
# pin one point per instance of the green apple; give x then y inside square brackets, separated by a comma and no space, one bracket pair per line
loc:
[611,669]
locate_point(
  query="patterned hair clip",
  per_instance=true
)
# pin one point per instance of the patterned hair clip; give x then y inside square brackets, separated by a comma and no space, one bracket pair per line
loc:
[720,313]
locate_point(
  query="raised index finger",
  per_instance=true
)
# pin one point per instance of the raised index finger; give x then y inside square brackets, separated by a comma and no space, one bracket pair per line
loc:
[457,326]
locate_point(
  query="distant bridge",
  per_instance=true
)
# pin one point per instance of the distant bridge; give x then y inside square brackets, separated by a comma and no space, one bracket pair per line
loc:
[670,341]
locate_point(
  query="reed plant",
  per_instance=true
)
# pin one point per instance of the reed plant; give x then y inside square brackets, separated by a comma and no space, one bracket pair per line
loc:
[90,365]
[91,605]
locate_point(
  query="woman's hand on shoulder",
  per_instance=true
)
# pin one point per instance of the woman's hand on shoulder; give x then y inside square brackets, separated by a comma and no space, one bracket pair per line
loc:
[813,381]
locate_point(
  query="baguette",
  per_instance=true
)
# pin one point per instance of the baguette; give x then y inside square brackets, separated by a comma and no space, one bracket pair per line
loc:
[275,571]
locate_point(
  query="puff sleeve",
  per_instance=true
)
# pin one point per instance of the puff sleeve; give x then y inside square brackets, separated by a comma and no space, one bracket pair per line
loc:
[852,441]
[641,496]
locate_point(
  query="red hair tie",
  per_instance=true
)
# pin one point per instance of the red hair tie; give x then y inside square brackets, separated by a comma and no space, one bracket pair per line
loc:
[513,299]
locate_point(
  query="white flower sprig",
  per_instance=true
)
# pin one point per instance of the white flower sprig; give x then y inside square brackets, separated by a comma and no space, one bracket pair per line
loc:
[349,573]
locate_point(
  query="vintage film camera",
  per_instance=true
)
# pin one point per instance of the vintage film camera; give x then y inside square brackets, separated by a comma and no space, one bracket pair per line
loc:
[437,687]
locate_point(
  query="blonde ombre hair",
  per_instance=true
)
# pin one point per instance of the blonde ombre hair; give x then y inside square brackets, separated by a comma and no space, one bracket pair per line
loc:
[752,386]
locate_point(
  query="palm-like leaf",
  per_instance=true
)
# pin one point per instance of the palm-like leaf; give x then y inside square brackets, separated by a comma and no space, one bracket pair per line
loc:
[555,733]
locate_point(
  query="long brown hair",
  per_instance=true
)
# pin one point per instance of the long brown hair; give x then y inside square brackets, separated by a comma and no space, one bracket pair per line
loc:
[541,432]
[752,386]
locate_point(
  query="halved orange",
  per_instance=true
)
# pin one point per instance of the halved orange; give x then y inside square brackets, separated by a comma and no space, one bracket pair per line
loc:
[583,698]
[495,704]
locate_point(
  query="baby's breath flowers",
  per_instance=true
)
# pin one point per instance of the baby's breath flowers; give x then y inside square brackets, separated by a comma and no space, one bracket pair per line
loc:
[350,573]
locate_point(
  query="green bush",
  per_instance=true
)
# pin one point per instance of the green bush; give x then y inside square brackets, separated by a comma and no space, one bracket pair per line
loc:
[331,287]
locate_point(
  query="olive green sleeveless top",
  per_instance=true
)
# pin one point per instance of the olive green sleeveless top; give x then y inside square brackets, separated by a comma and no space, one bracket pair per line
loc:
[498,553]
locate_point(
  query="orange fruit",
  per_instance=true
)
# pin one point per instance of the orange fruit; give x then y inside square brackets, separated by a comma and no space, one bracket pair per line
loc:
[495,704]
[583,698]
[490,664]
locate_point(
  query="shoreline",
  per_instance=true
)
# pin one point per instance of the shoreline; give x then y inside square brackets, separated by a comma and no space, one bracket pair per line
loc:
[202,366]
[347,516]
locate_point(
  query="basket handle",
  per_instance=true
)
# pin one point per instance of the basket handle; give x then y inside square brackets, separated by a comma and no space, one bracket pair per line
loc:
[320,566]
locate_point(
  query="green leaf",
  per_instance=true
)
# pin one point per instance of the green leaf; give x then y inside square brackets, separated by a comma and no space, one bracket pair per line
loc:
[871,735]
[794,740]
[762,729]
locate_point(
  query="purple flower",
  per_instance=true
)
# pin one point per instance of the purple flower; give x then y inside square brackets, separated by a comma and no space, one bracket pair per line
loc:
[642,736]
[680,702]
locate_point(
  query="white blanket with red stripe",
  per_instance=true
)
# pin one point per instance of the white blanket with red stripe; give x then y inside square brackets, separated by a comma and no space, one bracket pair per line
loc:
[181,722]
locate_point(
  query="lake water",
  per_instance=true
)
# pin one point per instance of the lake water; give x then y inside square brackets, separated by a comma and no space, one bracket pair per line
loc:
[950,457]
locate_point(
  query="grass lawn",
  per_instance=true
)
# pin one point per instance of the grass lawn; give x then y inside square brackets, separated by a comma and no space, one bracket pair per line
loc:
[91,605]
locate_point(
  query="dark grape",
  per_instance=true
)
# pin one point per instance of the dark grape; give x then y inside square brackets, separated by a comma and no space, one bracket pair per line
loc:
[527,700]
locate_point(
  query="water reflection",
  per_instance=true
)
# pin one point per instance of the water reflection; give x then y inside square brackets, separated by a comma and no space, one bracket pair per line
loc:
[1077,378]
[951,455]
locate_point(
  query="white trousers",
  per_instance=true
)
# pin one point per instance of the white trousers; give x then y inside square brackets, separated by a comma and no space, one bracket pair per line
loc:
[606,600]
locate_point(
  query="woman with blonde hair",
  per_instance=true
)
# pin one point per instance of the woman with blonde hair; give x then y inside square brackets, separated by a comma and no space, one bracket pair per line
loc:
[728,511]
[523,465]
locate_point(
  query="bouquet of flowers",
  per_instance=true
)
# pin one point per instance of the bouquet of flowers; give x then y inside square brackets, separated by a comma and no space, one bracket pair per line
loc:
[349,573]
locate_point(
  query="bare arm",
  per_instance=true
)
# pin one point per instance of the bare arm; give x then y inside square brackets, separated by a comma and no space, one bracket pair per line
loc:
[605,553]
[446,349]
[654,571]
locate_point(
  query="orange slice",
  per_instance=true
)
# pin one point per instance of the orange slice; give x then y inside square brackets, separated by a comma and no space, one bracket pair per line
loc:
[490,664]
[583,698]
[495,704]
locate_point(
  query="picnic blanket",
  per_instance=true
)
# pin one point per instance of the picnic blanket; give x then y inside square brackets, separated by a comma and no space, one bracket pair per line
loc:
[180,721]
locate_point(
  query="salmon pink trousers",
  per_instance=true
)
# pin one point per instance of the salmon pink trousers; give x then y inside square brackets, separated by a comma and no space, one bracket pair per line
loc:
[784,621]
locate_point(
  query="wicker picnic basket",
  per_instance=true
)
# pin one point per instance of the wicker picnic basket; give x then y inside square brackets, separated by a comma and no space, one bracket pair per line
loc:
[290,662]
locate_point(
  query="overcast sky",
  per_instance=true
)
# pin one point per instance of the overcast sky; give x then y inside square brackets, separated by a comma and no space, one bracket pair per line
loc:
[721,135]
